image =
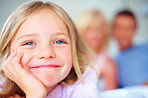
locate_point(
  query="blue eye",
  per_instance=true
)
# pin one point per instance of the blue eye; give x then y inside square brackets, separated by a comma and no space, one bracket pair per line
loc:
[29,43]
[60,42]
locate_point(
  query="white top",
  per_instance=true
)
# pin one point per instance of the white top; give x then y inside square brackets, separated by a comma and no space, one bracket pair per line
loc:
[78,90]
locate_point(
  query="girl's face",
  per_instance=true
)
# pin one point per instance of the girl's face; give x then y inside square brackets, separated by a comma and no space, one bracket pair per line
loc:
[95,33]
[44,40]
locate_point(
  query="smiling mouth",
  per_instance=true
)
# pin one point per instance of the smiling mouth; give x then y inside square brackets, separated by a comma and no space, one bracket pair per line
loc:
[46,66]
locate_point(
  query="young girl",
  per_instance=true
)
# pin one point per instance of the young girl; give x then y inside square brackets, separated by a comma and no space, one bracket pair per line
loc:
[93,28]
[42,55]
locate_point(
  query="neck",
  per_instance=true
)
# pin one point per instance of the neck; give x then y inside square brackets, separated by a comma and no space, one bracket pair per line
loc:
[98,51]
[125,47]
[50,89]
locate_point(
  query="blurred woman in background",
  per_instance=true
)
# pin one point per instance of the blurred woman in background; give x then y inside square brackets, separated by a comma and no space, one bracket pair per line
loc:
[94,29]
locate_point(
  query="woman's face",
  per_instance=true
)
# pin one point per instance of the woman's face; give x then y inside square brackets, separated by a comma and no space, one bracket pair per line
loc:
[95,33]
[44,40]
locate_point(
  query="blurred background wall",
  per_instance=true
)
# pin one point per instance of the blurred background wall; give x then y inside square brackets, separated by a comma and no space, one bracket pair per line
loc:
[108,7]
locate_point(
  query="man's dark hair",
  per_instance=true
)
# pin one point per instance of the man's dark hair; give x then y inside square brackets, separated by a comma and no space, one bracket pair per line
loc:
[127,13]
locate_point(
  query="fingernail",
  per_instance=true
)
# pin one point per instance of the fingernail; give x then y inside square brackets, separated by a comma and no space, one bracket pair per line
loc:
[21,54]
[15,50]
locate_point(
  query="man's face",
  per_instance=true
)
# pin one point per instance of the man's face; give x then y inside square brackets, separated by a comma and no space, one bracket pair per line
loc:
[123,31]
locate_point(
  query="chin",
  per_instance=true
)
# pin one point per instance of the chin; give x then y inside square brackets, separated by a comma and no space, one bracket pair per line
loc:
[47,83]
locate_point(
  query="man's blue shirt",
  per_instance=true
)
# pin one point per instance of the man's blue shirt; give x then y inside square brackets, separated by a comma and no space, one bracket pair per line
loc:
[133,66]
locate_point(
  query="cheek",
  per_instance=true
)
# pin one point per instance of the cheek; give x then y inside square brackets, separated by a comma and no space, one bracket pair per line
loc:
[85,36]
[131,34]
[101,36]
[118,35]
[27,56]
[88,37]
[66,55]
[89,34]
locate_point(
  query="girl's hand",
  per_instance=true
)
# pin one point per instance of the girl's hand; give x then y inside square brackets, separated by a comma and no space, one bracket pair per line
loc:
[32,87]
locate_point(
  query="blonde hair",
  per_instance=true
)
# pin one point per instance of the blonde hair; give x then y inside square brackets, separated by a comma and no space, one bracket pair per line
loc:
[79,48]
[87,17]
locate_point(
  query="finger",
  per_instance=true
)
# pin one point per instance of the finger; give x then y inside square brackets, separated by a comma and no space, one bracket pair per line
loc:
[13,66]
[16,65]
[9,69]
[9,59]
[17,96]
[17,58]
[12,55]
[11,77]
[11,97]
[8,75]
[14,72]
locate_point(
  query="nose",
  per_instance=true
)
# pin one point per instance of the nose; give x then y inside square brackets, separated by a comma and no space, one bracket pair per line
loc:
[46,53]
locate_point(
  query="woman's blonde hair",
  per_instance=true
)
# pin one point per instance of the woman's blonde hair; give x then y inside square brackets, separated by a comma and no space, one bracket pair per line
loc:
[79,48]
[87,17]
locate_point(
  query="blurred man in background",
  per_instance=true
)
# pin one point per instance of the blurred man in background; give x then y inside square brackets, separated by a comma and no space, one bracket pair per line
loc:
[133,60]
[124,27]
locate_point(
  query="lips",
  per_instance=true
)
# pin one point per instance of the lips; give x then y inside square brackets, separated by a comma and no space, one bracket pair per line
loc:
[46,66]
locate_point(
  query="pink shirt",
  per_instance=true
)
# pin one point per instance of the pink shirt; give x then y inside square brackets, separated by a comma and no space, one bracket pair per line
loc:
[78,90]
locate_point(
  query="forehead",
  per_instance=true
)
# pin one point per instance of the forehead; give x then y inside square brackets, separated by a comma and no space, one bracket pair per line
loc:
[123,19]
[96,22]
[43,20]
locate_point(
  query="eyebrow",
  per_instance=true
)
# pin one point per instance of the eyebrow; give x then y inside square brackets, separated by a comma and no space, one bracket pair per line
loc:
[61,33]
[28,35]
[36,34]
